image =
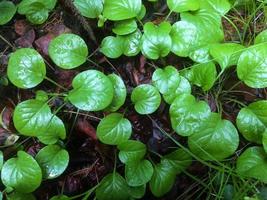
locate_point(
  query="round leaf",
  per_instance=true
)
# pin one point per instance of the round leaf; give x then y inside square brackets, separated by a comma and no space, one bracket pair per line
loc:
[114,129]
[89,8]
[92,91]
[39,16]
[26,68]
[111,47]
[261,37]
[183,5]
[125,27]
[20,196]
[7,11]
[131,43]
[146,99]
[68,51]
[22,173]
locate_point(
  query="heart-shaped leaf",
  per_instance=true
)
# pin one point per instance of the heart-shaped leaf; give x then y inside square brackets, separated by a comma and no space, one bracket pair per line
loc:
[183,5]
[187,115]
[114,129]
[22,173]
[68,51]
[92,91]
[125,27]
[146,99]
[210,142]
[53,161]
[261,37]
[26,68]
[89,8]
[7,11]
[131,43]
[112,47]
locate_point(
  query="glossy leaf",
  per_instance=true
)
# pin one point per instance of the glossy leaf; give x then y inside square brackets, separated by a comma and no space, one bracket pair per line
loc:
[89,8]
[125,27]
[131,151]
[188,116]
[92,91]
[68,51]
[183,5]
[261,37]
[21,173]
[112,47]
[53,161]
[166,80]
[156,41]
[26,68]
[112,187]
[7,11]
[131,43]
[210,142]
[121,9]
[201,54]
[146,99]
[114,129]
[20,196]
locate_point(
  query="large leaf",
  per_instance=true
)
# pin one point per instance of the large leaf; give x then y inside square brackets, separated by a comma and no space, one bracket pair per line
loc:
[261,37]
[166,80]
[183,5]
[131,151]
[53,161]
[156,41]
[210,142]
[252,121]
[138,173]
[187,115]
[92,91]
[146,99]
[121,9]
[68,51]
[253,164]
[226,54]
[125,27]
[114,129]
[7,11]
[252,66]
[22,173]
[89,8]
[26,68]
[112,187]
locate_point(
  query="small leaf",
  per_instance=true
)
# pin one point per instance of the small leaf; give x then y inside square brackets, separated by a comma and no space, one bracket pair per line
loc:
[146,99]
[92,91]
[138,192]
[26,68]
[114,129]
[39,16]
[22,173]
[125,27]
[138,173]
[7,11]
[20,196]
[60,197]
[111,47]
[53,161]
[1,160]
[131,43]
[112,187]
[68,51]
[261,37]
[89,8]
[183,5]
[187,115]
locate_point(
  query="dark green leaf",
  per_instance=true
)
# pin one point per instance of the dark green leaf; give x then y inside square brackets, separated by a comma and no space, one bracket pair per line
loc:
[138,192]
[7,11]
[60,197]
[20,196]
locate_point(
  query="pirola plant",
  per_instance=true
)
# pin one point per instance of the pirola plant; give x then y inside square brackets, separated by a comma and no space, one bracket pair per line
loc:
[210,138]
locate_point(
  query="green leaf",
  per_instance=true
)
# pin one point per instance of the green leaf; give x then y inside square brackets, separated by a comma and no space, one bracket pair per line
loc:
[184,87]
[183,5]
[41,95]
[226,54]
[210,142]
[146,99]
[31,117]
[7,11]
[22,173]
[142,13]
[26,68]
[114,129]
[166,80]
[252,68]
[131,151]
[1,160]
[261,37]
[38,17]
[188,115]
[201,54]
[125,27]
[162,180]
[121,9]
[156,41]
[120,93]
[89,8]
[220,7]
[20,196]
[131,43]
[253,164]
[138,173]
[92,91]
[53,161]
[112,47]
[138,192]
[68,51]
[252,121]
[60,197]
[112,187]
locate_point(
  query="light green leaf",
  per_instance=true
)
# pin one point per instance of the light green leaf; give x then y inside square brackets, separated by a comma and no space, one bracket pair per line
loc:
[1,160]
[21,173]
[89,8]
[201,54]
[216,140]
[125,27]
[131,43]
[188,115]
[142,13]
[68,51]
[20,196]
[26,68]
[92,91]
[7,11]
[261,37]
[112,47]
[38,17]
[146,99]
[114,129]
[183,5]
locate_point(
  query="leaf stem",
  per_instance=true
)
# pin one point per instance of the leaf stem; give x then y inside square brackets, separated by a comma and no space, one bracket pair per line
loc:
[55,83]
